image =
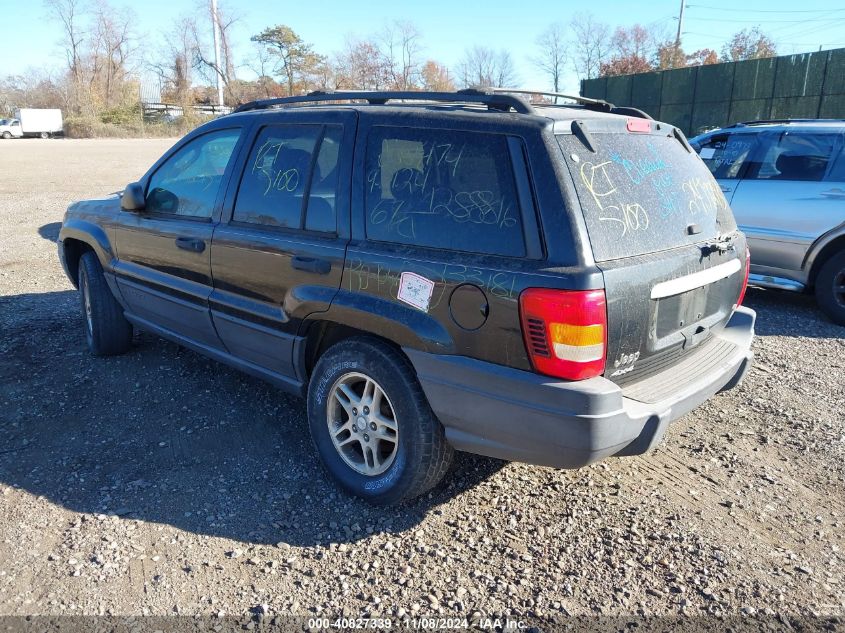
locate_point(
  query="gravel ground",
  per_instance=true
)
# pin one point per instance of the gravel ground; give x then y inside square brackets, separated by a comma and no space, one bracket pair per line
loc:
[160,482]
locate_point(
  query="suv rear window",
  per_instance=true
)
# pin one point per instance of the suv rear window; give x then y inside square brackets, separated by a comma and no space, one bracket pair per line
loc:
[642,193]
[442,189]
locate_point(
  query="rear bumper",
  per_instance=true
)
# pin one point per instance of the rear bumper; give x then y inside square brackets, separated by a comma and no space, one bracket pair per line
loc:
[520,416]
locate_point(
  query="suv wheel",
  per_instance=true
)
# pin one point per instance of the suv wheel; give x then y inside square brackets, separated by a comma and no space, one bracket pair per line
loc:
[830,288]
[106,329]
[372,425]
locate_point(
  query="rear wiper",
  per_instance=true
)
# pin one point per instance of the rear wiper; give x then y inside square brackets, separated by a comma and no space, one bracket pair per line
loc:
[721,244]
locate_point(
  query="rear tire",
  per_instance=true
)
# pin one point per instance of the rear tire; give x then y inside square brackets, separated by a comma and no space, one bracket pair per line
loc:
[44,135]
[388,455]
[107,331]
[830,288]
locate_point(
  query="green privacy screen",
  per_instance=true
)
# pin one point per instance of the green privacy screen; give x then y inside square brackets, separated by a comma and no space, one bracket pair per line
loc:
[807,86]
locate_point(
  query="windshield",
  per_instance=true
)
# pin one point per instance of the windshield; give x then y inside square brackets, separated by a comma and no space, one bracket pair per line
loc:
[642,193]
[4,121]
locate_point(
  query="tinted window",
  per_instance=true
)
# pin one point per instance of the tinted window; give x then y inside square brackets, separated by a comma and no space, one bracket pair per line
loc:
[642,193]
[725,154]
[794,156]
[188,182]
[837,169]
[322,212]
[442,189]
[276,176]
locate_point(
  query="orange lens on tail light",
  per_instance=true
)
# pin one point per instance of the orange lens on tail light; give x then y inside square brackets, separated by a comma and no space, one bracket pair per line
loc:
[565,331]
[745,281]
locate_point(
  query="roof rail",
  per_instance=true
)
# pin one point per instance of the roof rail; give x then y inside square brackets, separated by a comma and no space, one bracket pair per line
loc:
[525,91]
[487,97]
[591,104]
[765,121]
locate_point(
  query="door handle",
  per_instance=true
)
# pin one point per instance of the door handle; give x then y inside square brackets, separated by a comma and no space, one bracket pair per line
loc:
[725,189]
[311,264]
[190,244]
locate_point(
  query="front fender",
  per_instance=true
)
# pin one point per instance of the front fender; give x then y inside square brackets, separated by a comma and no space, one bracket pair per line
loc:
[91,234]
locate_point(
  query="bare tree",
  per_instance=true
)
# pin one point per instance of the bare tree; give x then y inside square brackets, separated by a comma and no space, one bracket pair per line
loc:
[361,65]
[590,43]
[113,46]
[485,67]
[174,66]
[203,51]
[551,58]
[69,14]
[401,47]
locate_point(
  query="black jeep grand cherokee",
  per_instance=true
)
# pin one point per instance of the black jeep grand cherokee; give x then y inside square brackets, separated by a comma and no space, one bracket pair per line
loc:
[433,271]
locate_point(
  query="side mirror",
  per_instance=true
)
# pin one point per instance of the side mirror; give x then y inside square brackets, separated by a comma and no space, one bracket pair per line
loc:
[132,198]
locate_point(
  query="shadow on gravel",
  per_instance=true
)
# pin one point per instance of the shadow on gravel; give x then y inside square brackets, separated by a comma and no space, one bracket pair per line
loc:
[164,435]
[781,313]
[50,231]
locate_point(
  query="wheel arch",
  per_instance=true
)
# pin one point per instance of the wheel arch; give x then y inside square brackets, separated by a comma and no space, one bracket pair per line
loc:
[78,236]
[322,334]
[825,248]
[352,314]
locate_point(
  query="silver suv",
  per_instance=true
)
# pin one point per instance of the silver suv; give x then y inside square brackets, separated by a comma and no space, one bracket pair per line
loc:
[785,181]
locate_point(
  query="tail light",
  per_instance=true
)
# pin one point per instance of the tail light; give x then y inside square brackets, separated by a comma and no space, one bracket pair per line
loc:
[565,331]
[745,281]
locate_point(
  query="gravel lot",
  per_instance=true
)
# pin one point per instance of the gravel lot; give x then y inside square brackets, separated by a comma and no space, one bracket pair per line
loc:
[160,482]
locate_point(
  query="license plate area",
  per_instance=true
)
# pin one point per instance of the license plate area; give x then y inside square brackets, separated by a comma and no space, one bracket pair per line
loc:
[678,312]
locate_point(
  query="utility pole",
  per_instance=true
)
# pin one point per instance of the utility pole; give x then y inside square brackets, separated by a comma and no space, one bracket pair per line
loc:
[680,25]
[216,23]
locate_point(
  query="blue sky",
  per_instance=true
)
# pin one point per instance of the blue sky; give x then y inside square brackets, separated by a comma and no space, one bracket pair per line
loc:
[448,26]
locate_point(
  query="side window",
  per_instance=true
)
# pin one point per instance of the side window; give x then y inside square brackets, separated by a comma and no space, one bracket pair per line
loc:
[322,212]
[725,154]
[442,189]
[187,183]
[837,168]
[284,185]
[794,156]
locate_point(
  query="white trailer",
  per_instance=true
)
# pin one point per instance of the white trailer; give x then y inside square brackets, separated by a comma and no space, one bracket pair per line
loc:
[41,122]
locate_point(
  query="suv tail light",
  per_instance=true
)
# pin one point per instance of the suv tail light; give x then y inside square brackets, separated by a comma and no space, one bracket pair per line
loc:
[745,282]
[565,331]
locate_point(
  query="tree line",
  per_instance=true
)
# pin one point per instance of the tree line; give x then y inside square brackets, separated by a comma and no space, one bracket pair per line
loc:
[104,60]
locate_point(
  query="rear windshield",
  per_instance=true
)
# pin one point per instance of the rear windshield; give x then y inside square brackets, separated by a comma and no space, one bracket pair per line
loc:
[643,193]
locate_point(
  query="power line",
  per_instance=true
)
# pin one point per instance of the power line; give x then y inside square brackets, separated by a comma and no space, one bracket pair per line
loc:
[712,8]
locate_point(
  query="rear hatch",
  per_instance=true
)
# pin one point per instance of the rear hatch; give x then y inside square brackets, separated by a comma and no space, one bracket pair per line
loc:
[665,239]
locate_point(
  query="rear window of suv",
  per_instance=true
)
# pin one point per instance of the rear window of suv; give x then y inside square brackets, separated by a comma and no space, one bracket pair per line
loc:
[642,193]
[444,189]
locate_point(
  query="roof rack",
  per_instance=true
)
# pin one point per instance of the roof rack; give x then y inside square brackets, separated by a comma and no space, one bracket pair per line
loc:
[560,95]
[599,105]
[490,98]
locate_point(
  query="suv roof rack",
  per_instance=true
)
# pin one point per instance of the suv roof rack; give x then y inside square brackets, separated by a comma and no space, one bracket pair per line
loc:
[576,98]
[491,98]
[599,105]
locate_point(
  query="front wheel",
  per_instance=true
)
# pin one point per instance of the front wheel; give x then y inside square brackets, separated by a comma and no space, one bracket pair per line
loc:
[7,135]
[107,331]
[371,423]
[830,288]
